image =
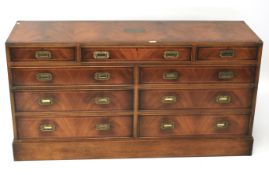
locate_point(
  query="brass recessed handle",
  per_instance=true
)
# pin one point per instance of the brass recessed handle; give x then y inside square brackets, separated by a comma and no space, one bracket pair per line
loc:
[223,99]
[43,54]
[102,127]
[227,53]
[171,54]
[167,125]
[168,99]
[102,100]
[225,75]
[102,76]
[46,101]
[101,55]
[47,127]
[44,76]
[222,125]
[170,75]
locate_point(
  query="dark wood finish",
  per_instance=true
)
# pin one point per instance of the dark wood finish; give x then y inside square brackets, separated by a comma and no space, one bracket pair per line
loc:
[122,148]
[153,75]
[150,126]
[240,53]
[130,87]
[72,76]
[28,54]
[73,100]
[74,127]
[152,99]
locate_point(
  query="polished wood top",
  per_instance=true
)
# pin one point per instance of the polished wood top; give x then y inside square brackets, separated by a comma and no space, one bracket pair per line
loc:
[132,32]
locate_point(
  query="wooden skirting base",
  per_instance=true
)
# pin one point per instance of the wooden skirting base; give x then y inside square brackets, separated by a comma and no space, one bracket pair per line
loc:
[131,148]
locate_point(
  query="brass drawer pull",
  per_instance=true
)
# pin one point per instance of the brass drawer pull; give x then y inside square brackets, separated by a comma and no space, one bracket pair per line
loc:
[102,76]
[170,75]
[224,75]
[45,101]
[171,54]
[102,100]
[169,99]
[223,99]
[226,53]
[167,125]
[42,54]
[100,55]
[222,125]
[44,76]
[48,127]
[102,127]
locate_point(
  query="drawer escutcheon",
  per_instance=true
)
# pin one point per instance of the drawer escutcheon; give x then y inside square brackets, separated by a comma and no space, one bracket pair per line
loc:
[167,125]
[101,55]
[222,125]
[46,101]
[171,54]
[43,54]
[47,127]
[223,99]
[44,76]
[226,53]
[102,127]
[170,75]
[168,99]
[102,100]
[224,75]
[102,76]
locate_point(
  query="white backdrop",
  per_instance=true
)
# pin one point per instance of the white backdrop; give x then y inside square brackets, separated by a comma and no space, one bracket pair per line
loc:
[254,12]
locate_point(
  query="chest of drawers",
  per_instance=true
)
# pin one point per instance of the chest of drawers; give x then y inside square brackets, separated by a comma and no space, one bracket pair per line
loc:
[116,89]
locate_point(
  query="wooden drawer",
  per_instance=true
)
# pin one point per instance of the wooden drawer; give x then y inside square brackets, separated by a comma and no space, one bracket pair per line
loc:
[42,54]
[146,54]
[164,126]
[227,53]
[187,74]
[182,99]
[165,54]
[108,54]
[73,100]
[72,76]
[74,127]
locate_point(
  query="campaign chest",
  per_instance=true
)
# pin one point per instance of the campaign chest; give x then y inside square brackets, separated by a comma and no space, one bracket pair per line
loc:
[116,89]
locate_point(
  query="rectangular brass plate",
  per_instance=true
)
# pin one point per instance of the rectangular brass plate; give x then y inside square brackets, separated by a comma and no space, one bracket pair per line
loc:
[102,127]
[226,53]
[169,99]
[101,55]
[102,76]
[43,54]
[224,75]
[44,76]
[171,54]
[170,75]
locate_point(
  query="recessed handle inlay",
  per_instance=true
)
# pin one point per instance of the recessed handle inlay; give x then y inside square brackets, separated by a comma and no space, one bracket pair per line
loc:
[168,99]
[167,125]
[222,124]
[45,101]
[100,55]
[102,127]
[102,100]
[47,127]
[223,99]
[225,75]
[170,75]
[44,76]
[226,53]
[102,76]
[43,54]
[171,54]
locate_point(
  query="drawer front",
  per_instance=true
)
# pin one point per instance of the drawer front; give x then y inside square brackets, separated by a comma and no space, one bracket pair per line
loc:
[74,127]
[227,53]
[72,76]
[42,54]
[175,75]
[165,54]
[108,54]
[182,99]
[163,126]
[73,100]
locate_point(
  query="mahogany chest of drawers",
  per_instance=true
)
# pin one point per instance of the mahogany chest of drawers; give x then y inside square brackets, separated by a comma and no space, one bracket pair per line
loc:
[116,89]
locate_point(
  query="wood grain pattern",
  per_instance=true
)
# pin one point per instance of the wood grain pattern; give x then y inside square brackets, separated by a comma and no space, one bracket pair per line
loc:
[151,99]
[28,54]
[188,74]
[73,100]
[75,127]
[150,126]
[72,76]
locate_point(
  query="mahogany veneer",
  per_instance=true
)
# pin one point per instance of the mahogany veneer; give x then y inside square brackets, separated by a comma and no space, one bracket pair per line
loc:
[115,89]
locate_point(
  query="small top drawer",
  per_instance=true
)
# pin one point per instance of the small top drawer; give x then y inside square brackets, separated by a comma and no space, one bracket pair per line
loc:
[227,53]
[42,54]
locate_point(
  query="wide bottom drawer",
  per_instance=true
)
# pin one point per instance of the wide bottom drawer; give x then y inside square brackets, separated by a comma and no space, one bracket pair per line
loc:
[74,127]
[163,126]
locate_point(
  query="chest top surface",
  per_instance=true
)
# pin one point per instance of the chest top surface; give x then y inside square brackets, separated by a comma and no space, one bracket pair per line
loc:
[132,32]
